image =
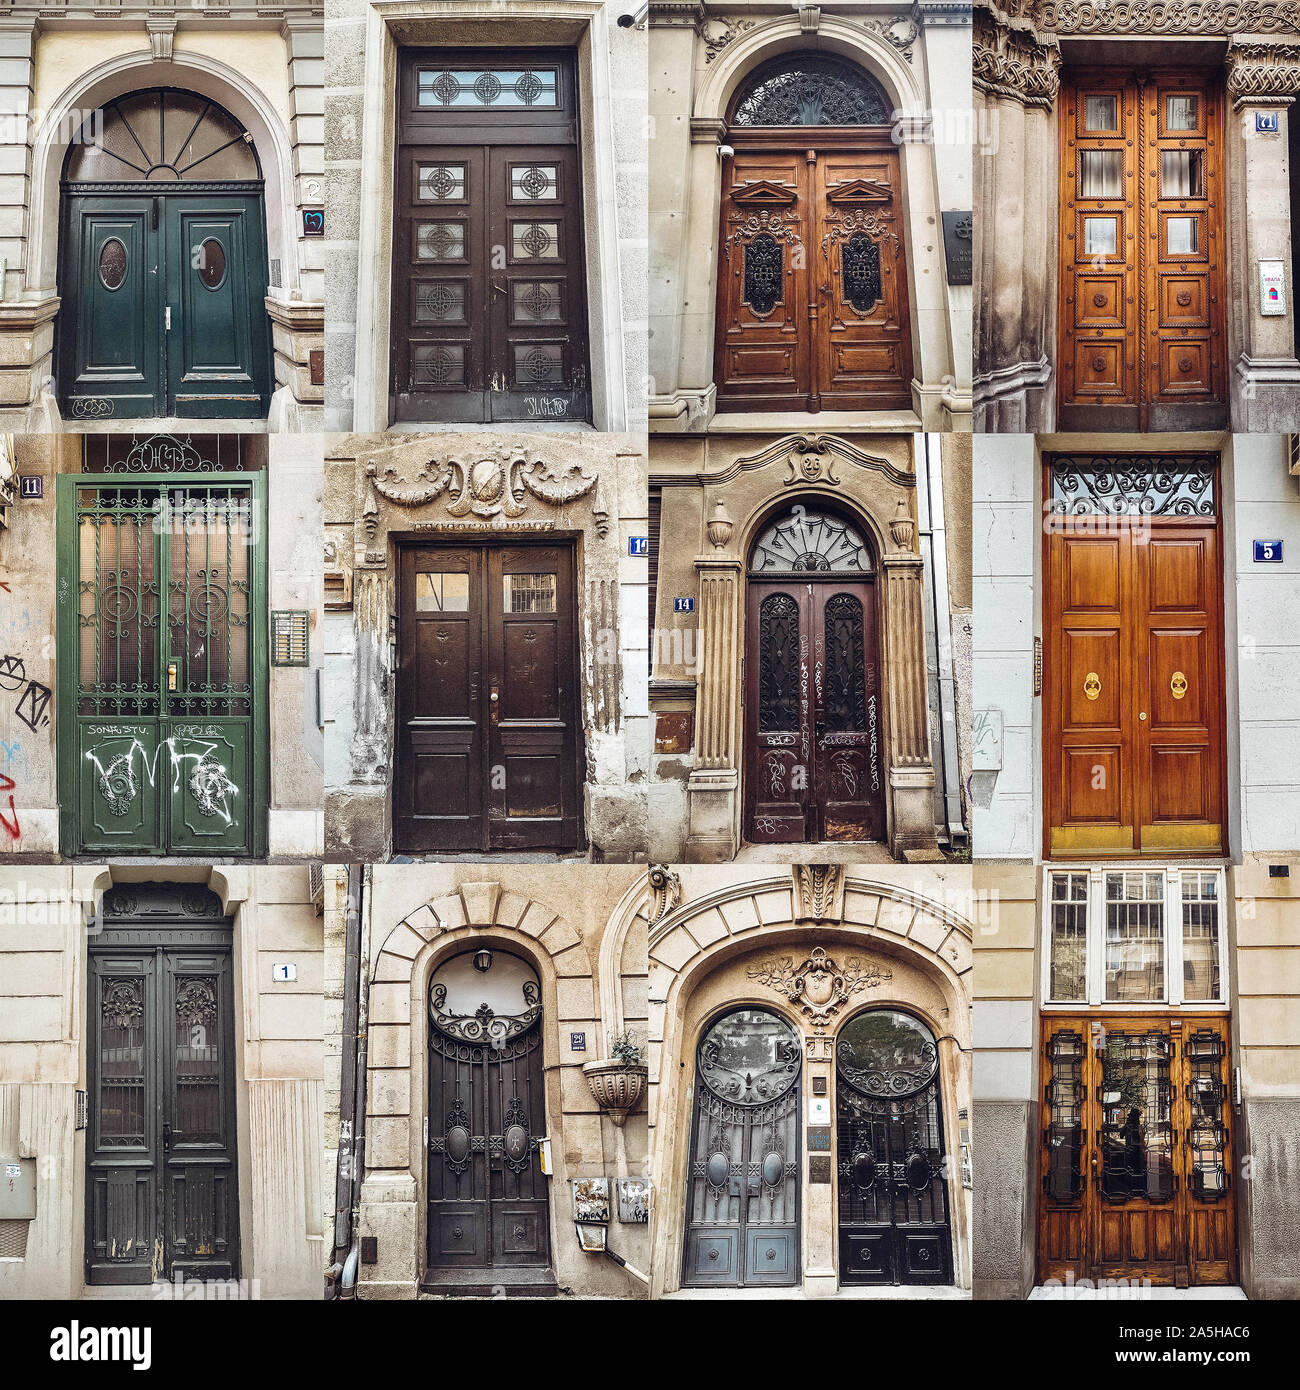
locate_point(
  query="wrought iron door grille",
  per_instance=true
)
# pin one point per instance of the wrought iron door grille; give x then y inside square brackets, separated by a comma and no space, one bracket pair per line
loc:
[1064,1180]
[1178,485]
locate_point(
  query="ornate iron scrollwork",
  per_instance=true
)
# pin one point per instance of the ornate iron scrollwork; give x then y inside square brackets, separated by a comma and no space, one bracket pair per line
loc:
[845,696]
[1207,1135]
[888,1081]
[122,1002]
[744,1068]
[1134,485]
[807,89]
[196,1001]
[1064,1179]
[484,1025]
[860,267]
[812,542]
[778,667]
[764,274]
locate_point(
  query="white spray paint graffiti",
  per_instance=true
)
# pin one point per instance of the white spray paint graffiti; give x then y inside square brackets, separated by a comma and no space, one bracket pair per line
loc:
[209,782]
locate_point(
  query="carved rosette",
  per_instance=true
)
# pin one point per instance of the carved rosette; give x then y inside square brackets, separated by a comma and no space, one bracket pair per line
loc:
[1010,58]
[819,987]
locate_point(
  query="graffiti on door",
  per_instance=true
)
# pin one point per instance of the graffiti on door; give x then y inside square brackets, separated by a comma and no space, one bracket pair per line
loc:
[193,761]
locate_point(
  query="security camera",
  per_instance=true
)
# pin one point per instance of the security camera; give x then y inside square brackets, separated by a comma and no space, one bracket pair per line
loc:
[634,19]
[725,151]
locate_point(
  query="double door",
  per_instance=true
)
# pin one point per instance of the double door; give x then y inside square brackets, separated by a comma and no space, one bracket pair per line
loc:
[814,769]
[488,739]
[164,311]
[812,284]
[489,316]
[161,1183]
[1133,680]
[163,726]
[1136,1155]
[1142,312]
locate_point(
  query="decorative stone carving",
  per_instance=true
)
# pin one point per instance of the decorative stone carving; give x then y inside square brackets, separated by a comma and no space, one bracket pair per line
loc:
[902,528]
[615,1087]
[1010,58]
[819,892]
[665,892]
[819,987]
[1265,72]
[1168,16]
[718,33]
[811,460]
[497,486]
[899,31]
[720,526]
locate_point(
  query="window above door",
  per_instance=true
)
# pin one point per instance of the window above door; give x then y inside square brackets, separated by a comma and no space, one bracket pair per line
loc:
[1134,937]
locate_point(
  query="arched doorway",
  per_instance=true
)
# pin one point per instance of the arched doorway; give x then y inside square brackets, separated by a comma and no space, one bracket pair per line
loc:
[894,1222]
[813,721]
[488,1214]
[742,1191]
[812,285]
[163,264]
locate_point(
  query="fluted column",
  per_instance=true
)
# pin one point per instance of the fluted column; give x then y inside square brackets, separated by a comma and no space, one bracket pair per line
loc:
[715,778]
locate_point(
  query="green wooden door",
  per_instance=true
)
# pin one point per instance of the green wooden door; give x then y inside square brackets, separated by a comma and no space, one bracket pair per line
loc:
[162,734]
[163,307]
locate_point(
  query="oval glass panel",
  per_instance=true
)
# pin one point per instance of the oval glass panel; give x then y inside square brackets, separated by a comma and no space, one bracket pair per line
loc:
[864,1170]
[750,1057]
[458,1143]
[516,1140]
[918,1172]
[718,1168]
[773,1169]
[212,263]
[112,263]
[884,1052]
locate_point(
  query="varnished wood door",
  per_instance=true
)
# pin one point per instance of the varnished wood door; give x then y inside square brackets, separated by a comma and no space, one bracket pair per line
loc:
[1133,703]
[812,294]
[489,305]
[814,764]
[488,738]
[1142,335]
[1136,1160]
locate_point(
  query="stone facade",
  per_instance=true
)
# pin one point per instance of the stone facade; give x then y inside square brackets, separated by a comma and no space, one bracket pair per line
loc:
[699,54]
[590,488]
[1020,51]
[714,933]
[278,1030]
[910,497]
[588,951]
[363,40]
[263,66]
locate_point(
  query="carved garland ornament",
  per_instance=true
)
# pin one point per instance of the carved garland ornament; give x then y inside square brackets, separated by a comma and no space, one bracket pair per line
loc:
[819,987]
[494,487]
[747,225]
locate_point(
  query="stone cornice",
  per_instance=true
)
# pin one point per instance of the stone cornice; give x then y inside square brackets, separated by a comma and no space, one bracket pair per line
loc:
[231,13]
[1158,17]
[676,14]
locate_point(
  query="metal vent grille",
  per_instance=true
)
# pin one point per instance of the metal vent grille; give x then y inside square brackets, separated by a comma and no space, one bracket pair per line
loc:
[13,1239]
[316,879]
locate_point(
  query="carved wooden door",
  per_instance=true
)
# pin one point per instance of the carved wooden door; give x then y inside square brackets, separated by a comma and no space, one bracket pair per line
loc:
[1133,676]
[1136,1157]
[812,282]
[488,738]
[1142,312]
[742,1192]
[487,1194]
[894,1226]
[163,731]
[161,1184]
[813,768]
[489,306]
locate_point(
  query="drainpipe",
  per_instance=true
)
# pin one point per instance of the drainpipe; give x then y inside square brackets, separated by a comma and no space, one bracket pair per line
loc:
[940,681]
[341,1279]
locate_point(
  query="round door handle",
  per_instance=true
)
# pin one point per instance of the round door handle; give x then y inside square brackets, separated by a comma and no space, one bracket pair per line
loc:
[494,697]
[1143,715]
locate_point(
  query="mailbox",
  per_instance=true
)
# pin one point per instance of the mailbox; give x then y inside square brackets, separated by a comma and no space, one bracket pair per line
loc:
[17,1189]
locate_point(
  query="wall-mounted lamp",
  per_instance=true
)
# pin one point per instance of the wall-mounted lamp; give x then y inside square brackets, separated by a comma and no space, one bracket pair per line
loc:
[483,961]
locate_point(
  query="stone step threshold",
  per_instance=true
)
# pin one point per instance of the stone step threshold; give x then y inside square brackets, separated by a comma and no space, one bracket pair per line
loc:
[490,1283]
[867,1293]
[1134,1291]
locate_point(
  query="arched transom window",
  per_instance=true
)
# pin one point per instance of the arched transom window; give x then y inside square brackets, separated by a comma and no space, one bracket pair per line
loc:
[804,89]
[809,542]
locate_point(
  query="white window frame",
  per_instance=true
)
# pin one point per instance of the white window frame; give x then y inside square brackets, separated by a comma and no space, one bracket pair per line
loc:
[1095,938]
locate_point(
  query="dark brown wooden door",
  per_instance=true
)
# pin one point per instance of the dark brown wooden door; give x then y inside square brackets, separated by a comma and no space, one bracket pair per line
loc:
[1142,343]
[812,288]
[1133,684]
[489,308]
[813,770]
[488,739]
[1136,1160]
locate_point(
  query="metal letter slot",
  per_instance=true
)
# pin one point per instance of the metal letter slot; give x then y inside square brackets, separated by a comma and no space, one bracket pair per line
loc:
[1092,685]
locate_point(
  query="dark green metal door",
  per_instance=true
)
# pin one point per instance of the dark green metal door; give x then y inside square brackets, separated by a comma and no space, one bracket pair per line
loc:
[163,307]
[161,1169]
[163,733]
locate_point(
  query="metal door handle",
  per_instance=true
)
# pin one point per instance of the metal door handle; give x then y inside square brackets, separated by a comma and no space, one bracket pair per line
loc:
[167,318]
[497,289]
[1092,685]
[1142,715]
[167,1138]
[1178,685]
[494,703]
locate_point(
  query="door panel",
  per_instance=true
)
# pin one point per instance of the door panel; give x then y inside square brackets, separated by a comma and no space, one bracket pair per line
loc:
[812,287]
[489,302]
[167,631]
[489,743]
[1136,1151]
[1142,282]
[109,348]
[1133,683]
[161,1168]
[216,347]
[742,1204]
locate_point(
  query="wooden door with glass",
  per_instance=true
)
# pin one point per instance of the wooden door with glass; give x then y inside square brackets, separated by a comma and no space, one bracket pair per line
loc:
[1133,676]
[1142,289]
